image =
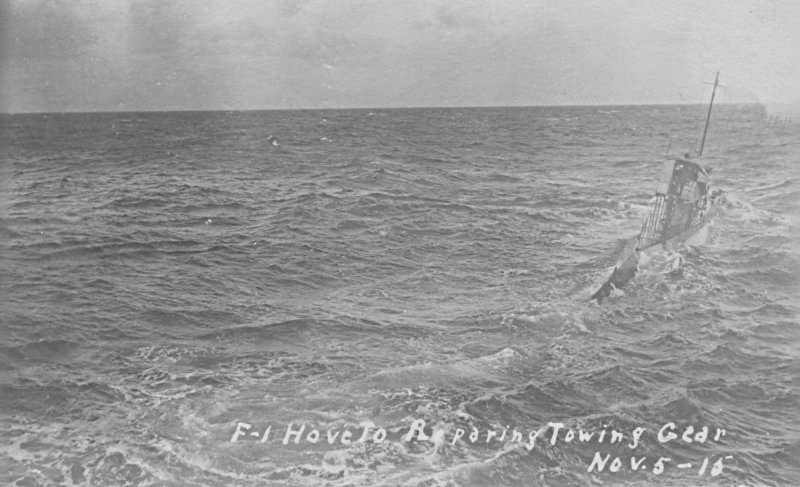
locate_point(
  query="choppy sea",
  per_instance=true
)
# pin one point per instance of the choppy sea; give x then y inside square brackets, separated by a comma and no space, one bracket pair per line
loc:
[174,285]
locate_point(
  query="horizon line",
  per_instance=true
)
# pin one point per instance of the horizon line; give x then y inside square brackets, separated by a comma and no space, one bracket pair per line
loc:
[441,107]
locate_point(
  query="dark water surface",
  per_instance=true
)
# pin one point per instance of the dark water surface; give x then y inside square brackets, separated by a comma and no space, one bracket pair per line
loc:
[165,276]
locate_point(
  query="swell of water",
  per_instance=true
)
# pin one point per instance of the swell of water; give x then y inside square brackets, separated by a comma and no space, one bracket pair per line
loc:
[168,275]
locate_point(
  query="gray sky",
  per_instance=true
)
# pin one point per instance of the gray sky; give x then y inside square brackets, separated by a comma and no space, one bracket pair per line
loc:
[85,55]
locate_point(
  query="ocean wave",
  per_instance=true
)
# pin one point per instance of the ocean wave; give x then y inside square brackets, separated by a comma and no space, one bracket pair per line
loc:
[164,283]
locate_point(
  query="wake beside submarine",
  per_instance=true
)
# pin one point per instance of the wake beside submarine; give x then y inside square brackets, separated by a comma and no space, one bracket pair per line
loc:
[684,204]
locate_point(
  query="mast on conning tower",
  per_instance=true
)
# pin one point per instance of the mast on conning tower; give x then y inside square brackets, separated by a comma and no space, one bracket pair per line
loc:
[708,117]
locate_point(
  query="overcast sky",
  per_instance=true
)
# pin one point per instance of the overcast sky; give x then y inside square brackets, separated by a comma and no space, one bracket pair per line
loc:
[86,55]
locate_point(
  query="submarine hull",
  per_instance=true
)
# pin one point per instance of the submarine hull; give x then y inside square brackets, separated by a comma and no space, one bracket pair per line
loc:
[629,266]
